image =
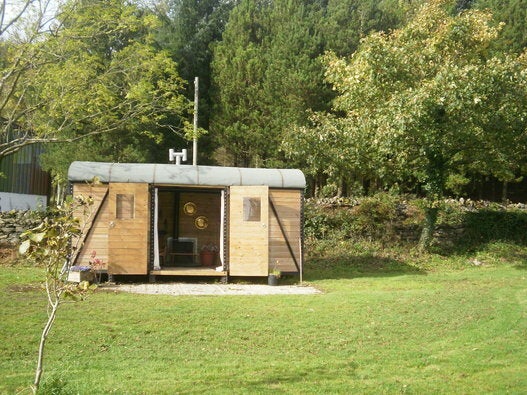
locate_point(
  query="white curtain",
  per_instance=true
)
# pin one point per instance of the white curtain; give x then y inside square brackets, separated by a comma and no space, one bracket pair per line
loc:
[156,235]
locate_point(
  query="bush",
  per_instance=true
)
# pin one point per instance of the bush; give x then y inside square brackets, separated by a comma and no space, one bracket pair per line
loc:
[486,226]
[317,221]
[388,219]
[375,217]
[368,218]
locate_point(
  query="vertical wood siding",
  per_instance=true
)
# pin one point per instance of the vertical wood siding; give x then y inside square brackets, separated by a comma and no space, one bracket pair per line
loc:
[128,238]
[288,204]
[97,240]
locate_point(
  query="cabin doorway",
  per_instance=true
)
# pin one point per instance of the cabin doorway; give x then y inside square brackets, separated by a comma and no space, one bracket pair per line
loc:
[189,228]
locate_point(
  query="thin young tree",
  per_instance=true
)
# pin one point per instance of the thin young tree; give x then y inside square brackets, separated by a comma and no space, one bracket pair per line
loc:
[50,245]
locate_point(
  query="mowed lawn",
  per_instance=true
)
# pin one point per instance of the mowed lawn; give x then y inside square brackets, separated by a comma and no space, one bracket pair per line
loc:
[460,330]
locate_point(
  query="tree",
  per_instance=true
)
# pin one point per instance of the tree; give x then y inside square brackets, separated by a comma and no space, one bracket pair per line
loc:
[424,105]
[267,70]
[237,71]
[22,25]
[266,74]
[347,21]
[50,245]
[94,69]
[513,13]
[189,31]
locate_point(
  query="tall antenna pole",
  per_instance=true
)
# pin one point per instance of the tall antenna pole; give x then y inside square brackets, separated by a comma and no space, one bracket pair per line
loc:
[195,139]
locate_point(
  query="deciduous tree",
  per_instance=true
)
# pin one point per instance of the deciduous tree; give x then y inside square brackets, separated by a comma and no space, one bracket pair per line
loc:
[50,245]
[424,104]
[93,69]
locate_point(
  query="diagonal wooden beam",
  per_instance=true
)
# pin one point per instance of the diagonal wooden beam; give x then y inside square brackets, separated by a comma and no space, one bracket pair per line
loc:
[271,203]
[85,234]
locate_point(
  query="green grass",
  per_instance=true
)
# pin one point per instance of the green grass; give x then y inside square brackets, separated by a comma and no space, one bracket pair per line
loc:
[388,322]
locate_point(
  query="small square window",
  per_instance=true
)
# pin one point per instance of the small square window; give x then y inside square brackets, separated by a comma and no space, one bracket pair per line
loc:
[124,206]
[252,209]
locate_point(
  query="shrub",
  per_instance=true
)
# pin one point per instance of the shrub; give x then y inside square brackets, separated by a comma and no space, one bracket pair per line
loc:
[364,218]
[487,225]
[375,217]
[388,219]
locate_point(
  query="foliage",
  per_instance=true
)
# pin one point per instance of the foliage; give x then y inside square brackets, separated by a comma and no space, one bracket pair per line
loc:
[190,29]
[266,74]
[317,221]
[267,71]
[422,104]
[375,216]
[116,75]
[97,71]
[393,222]
[513,13]
[346,22]
[50,245]
[487,226]
[371,218]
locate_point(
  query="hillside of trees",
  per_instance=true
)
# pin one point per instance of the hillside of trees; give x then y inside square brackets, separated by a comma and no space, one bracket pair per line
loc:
[421,97]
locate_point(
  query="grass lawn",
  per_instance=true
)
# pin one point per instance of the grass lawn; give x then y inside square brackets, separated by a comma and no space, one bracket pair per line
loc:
[383,325]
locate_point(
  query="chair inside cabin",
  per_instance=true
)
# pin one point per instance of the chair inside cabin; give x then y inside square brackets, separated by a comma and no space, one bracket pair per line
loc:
[179,253]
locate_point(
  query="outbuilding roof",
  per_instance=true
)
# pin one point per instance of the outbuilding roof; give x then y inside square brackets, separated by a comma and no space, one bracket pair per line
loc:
[154,173]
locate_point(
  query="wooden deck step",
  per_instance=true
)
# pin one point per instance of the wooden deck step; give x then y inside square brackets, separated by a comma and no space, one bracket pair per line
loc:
[188,271]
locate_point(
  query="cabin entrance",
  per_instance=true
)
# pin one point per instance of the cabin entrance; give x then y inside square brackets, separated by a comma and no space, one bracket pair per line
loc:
[189,228]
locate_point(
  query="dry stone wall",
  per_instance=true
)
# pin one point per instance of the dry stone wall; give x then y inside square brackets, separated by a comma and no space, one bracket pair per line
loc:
[13,223]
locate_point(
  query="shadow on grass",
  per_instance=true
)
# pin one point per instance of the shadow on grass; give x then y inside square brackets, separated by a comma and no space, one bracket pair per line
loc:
[347,266]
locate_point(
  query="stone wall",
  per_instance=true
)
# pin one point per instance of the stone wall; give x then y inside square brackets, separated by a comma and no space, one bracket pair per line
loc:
[13,223]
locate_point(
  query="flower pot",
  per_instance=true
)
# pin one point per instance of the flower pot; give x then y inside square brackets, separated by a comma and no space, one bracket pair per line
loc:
[207,258]
[272,280]
[78,277]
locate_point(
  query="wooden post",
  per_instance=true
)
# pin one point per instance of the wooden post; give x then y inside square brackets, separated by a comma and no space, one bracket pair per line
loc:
[195,139]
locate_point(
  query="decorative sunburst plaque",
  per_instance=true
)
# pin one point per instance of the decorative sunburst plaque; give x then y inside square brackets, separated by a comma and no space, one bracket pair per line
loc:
[190,208]
[201,222]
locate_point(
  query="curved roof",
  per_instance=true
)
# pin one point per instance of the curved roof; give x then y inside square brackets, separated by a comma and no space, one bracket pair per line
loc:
[153,173]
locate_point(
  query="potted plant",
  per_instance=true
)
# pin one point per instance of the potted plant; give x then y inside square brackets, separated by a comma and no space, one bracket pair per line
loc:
[208,254]
[274,275]
[97,266]
[78,274]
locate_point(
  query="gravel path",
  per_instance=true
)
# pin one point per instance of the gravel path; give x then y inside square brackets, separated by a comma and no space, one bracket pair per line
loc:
[212,289]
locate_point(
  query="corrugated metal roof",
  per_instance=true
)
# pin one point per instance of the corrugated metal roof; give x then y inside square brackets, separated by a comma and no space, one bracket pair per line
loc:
[185,175]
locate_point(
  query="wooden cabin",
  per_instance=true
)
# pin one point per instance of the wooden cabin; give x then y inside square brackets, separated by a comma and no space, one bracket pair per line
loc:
[180,220]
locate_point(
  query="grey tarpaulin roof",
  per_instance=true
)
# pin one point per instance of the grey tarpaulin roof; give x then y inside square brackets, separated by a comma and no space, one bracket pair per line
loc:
[185,174]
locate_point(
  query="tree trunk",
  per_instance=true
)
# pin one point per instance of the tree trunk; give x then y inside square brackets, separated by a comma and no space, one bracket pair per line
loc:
[505,192]
[40,361]
[429,228]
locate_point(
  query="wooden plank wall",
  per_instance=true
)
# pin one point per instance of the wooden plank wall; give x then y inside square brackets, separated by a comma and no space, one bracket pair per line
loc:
[207,205]
[288,204]
[248,240]
[129,237]
[98,238]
